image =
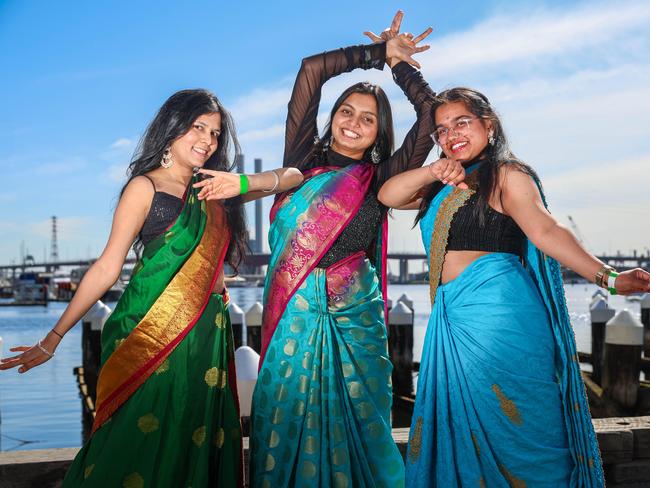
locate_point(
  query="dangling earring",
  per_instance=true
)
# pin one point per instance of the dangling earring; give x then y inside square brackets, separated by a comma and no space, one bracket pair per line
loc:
[374,154]
[491,139]
[167,161]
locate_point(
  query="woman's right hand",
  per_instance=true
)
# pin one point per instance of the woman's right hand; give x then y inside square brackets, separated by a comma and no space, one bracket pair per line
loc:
[400,46]
[31,355]
[448,172]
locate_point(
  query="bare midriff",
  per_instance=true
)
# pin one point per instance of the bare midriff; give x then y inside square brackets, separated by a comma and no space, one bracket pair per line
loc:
[456,262]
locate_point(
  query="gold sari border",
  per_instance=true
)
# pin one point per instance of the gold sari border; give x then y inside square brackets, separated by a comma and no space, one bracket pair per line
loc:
[440,235]
[167,322]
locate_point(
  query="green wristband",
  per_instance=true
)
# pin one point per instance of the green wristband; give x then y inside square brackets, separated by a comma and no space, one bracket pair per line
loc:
[243,184]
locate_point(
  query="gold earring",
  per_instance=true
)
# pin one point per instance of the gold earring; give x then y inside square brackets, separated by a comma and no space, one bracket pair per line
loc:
[167,161]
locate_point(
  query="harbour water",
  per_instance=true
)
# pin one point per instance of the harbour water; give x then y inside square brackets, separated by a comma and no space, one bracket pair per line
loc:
[41,409]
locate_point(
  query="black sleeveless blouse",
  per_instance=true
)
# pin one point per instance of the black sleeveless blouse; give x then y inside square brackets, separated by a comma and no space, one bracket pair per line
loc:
[165,208]
[498,232]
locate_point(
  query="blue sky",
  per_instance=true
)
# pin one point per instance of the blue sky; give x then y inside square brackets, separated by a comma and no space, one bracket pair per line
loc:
[81,80]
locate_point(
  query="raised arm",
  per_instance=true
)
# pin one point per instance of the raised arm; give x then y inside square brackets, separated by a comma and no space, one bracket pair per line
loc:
[418,143]
[127,222]
[521,200]
[399,51]
[315,70]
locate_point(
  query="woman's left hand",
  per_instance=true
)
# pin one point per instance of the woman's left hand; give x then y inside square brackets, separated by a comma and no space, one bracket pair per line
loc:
[219,186]
[400,46]
[633,281]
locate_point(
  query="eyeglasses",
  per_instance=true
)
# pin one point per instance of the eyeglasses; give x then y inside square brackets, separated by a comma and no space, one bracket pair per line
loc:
[460,128]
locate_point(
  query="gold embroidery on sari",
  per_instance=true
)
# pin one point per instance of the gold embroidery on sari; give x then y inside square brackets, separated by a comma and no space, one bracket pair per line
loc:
[440,234]
[198,437]
[148,423]
[415,443]
[513,481]
[476,446]
[180,303]
[508,407]
[88,471]
[134,480]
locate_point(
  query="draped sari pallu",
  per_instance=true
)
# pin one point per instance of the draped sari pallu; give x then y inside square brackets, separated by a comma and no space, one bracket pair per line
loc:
[167,408]
[321,406]
[500,399]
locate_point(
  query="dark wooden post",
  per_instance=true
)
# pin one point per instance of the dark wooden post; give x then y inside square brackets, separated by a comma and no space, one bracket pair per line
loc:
[400,348]
[254,327]
[645,320]
[600,314]
[91,351]
[622,360]
[237,322]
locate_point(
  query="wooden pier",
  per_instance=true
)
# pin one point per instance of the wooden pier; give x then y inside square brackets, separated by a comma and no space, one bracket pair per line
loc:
[624,445]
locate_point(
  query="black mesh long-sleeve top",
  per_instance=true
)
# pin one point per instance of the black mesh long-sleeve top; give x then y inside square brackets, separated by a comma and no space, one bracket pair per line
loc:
[301,151]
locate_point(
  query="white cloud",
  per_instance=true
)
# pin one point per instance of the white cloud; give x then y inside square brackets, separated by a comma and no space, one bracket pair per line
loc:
[123,143]
[254,135]
[69,229]
[116,173]
[523,37]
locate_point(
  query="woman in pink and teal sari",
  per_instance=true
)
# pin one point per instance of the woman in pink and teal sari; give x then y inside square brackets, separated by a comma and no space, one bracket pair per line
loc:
[321,406]
[166,408]
[500,399]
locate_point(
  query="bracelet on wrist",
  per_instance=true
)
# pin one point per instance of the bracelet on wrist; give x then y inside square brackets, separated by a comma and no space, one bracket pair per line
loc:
[276,184]
[611,282]
[56,333]
[43,350]
[243,184]
[606,278]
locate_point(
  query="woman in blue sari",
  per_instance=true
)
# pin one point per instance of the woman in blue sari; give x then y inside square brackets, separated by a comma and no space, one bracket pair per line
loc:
[321,407]
[500,400]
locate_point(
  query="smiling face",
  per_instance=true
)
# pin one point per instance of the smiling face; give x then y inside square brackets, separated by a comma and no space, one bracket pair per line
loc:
[354,125]
[196,146]
[461,135]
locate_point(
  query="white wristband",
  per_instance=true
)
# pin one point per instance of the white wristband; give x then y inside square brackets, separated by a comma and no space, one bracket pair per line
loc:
[611,280]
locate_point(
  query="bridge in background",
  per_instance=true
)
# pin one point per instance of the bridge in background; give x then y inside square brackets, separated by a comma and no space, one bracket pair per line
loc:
[254,261]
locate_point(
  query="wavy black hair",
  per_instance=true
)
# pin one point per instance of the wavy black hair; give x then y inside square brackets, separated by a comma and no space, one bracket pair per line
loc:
[494,155]
[174,119]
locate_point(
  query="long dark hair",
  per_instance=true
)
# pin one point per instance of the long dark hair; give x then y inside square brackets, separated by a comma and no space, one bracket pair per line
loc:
[174,119]
[385,140]
[494,155]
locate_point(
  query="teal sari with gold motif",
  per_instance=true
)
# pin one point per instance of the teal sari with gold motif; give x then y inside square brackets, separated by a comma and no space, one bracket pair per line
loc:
[321,406]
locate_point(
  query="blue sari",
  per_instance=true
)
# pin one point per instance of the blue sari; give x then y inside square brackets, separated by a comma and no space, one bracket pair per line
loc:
[500,400]
[321,406]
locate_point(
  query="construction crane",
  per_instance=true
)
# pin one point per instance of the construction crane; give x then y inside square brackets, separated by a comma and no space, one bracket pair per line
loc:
[576,231]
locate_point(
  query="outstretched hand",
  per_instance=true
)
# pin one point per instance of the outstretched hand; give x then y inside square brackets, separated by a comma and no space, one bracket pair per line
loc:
[633,281]
[31,356]
[400,46]
[219,186]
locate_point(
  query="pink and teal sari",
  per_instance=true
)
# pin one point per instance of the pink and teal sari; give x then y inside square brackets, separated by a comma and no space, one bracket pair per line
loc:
[166,409]
[321,406]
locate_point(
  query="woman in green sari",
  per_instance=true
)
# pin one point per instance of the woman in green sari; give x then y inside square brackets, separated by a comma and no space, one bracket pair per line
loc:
[166,407]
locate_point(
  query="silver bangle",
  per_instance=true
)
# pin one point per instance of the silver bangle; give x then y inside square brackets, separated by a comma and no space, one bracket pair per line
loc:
[43,350]
[277,182]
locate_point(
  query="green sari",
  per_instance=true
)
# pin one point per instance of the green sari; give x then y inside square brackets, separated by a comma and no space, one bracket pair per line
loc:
[167,408]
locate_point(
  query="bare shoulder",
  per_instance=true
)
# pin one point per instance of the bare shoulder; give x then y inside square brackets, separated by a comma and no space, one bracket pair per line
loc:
[139,191]
[517,181]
